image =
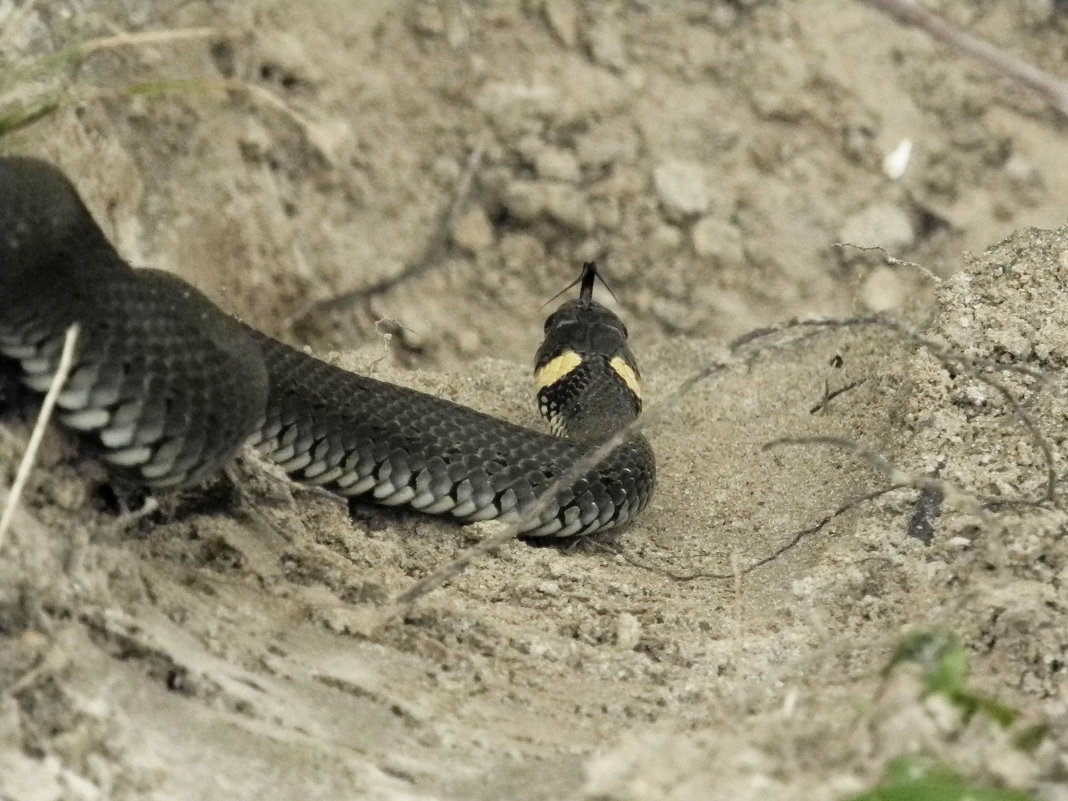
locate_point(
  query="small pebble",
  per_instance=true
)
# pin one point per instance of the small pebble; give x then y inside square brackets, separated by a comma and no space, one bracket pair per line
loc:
[525,200]
[883,290]
[554,164]
[563,21]
[1022,172]
[605,41]
[255,141]
[608,142]
[681,188]
[567,205]
[880,225]
[445,170]
[473,231]
[717,239]
[628,631]
[468,341]
[548,587]
[607,213]
[667,237]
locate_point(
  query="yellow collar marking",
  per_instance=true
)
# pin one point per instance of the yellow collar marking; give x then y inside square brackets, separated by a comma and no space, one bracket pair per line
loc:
[628,374]
[556,368]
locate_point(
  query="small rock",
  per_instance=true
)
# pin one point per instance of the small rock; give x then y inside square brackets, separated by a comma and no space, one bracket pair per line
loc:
[567,205]
[516,249]
[667,237]
[883,290]
[445,170]
[333,138]
[628,631]
[473,231]
[590,249]
[525,200]
[289,58]
[67,494]
[417,337]
[563,21]
[605,41]
[1014,342]
[717,239]
[468,341]
[723,16]
[880,225]
[676,316]
[528,147]
[528,200]
[255,141]
[548,587]
[428,20]
[682,189]
[1022,172]
[607,143]
[511,105]
[555,164]
[456,32]
[897,160]
[607,213]
[623,182]
[495,180]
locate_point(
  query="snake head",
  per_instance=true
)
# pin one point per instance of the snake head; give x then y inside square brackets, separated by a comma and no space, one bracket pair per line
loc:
[587,379]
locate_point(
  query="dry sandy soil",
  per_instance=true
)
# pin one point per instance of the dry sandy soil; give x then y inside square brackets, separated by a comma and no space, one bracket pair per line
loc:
[456,161]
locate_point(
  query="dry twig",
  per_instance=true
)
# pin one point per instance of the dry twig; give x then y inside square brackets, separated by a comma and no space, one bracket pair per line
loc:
[432,256]
[976,369]
[66,360]
[790,544]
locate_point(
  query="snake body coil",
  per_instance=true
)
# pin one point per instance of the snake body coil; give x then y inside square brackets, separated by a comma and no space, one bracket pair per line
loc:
[166,387]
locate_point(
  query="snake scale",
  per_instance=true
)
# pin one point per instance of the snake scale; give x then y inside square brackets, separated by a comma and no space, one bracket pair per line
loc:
[166,387]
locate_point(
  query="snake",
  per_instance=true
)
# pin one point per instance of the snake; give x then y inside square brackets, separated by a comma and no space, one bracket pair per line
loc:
[166,388]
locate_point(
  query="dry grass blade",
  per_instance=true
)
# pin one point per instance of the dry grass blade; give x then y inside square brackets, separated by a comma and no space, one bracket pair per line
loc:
[50,66]
[142,38]
[33,90]
[66,360]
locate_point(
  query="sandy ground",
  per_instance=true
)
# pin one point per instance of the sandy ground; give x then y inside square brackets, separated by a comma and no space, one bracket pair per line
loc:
[731,643]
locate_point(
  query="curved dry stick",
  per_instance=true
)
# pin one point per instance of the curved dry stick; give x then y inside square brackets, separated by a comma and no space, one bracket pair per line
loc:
[789,545]
[950,360]
[432,256]
[902,478]
[893,261]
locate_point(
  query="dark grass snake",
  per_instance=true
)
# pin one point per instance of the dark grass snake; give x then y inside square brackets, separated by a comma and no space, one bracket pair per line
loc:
[166,387]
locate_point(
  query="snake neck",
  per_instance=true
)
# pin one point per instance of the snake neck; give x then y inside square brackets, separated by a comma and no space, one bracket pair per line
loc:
[587,382]
[598,402]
